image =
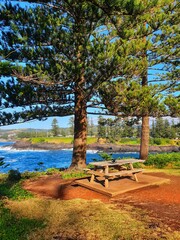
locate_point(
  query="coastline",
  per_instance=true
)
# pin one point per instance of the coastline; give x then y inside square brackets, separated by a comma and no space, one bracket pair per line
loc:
[95,146]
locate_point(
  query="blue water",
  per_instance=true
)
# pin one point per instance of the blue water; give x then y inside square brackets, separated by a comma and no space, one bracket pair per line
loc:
[27,160]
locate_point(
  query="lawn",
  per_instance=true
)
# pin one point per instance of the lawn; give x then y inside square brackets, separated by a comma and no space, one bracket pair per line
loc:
[24,216]
[58,140]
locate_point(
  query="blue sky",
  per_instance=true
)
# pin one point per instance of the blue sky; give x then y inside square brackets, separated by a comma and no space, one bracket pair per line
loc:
[36,124]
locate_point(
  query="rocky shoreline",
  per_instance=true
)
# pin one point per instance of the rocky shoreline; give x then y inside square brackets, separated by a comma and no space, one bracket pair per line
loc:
[95,146]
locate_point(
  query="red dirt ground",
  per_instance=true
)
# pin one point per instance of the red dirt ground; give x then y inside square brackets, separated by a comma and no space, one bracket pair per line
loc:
[161,202]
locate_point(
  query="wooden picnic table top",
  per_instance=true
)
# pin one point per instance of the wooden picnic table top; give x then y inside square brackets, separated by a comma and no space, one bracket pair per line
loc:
[117,162]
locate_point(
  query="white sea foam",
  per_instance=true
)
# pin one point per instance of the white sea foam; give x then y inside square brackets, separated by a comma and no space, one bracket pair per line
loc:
[88,151]
[6,148]
[9,148]
[67,149]
[92,151]
[11,161]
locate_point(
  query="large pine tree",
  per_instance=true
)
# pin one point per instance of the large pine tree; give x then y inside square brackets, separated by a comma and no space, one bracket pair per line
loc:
[58,54]
[150,29]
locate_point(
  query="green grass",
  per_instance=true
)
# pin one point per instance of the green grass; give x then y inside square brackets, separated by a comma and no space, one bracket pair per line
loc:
[24,217]
[52,140]
[13,190]
[90,220]
[11,226]
[129,141]
[14,228]
[169,171]
[57,140]
[74,174]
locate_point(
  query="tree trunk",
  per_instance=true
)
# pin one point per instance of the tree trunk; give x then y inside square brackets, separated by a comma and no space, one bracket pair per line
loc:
[80,132]
[80,117]
[144,147]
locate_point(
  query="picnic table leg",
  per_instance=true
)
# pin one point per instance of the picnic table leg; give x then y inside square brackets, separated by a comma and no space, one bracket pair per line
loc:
[106,171]
[92,178]
[106,182]
[134,174]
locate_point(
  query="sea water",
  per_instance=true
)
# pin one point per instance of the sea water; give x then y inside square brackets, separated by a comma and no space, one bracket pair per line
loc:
[40,160]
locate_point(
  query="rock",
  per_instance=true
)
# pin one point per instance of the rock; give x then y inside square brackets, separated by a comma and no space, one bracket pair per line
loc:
[95,146]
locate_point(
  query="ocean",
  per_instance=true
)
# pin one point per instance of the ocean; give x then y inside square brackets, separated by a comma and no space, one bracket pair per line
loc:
[40,160]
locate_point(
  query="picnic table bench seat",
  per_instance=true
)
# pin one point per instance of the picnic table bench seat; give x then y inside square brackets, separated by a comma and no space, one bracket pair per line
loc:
[113,174]
[102,170]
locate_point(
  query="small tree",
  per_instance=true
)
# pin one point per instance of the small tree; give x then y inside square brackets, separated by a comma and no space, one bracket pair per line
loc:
[55,127]
[90,127]
[71,125]
[101,127]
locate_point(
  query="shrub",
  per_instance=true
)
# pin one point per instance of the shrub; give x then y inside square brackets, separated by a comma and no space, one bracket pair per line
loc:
[106,156]
[163,160]
[14,175]
[157,141]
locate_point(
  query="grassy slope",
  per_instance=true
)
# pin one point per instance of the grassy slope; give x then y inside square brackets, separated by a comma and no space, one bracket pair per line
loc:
[27,217]
[80,219]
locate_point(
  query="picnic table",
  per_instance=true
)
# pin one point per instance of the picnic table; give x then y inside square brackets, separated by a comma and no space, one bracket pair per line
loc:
[121,168]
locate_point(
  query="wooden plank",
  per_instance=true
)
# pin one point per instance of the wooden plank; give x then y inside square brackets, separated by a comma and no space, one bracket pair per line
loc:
[96,173]
[117,162]
[123,173]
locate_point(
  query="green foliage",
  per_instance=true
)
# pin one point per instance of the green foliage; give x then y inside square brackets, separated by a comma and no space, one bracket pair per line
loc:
[163,160]
[161,141]
[14,175]
[161,128]
[129,141]
[2,164]
[59,49]
[15,228]
[73,174]
[40,140]
[28,175]
[13,191]
[106,156]
[55,128]
[173,103]
[51,171]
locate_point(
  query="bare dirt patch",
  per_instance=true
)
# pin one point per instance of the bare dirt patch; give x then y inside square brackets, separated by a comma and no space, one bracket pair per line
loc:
[162,202]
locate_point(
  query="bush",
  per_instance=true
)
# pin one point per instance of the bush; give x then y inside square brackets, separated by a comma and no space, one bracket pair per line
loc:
[157,141]
[14,175]
[163,160]
[106,156]
[161,141]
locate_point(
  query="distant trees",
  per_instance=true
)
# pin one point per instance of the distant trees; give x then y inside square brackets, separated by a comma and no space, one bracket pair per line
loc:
[55,128]
[114,130]
[91,127]
[71,126]
[161,128]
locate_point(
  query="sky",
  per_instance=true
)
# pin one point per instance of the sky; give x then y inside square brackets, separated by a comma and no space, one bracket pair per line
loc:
[63,122]
[36,124]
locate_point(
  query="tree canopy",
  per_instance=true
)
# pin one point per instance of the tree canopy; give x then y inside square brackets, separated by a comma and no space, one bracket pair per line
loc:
[57,56]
